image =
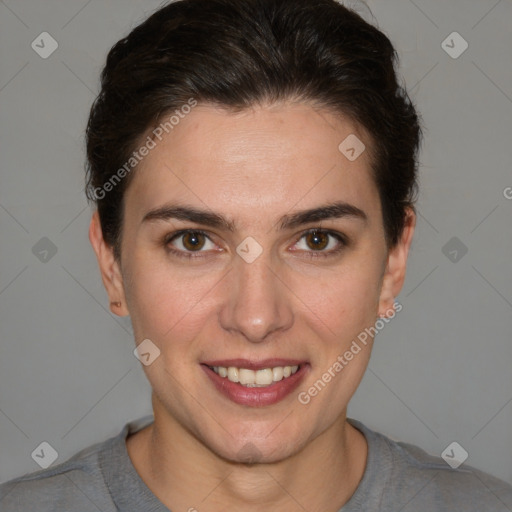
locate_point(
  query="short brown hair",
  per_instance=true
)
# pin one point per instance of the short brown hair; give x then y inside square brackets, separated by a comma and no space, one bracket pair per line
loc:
[239,53]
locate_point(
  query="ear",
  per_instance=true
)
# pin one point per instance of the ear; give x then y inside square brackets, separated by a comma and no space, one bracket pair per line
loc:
[109,268]
[394,274]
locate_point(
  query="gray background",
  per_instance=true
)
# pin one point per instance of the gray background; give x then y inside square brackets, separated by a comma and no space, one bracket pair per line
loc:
[440,371]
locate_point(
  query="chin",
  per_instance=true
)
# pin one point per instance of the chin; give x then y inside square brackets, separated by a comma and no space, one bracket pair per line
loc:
[263,447]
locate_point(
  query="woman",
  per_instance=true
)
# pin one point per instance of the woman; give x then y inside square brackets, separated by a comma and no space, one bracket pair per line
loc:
[253,163]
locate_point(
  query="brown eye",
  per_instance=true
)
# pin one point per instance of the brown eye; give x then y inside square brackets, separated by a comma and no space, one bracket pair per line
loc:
[190,243]
[320,243]
[317,240]
[193,240]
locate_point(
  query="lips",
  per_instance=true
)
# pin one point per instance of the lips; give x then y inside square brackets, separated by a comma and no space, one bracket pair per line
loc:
[256,395]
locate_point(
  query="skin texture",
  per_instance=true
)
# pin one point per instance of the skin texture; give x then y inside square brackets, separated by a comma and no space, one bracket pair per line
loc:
[252,167]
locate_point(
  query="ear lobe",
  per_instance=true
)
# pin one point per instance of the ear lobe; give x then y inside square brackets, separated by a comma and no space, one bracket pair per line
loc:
[109,268]
[394,275]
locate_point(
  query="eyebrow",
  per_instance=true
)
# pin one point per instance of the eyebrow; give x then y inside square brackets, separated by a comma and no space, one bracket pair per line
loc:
[289,221]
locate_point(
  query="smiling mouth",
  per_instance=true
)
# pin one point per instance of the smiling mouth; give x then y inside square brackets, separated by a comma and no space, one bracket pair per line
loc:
[256,383]
[255,378]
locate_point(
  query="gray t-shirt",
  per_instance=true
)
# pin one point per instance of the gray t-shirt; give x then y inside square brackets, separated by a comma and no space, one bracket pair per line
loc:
[398,477]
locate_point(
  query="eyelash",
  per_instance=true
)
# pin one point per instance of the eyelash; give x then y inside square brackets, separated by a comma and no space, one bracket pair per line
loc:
[343,242]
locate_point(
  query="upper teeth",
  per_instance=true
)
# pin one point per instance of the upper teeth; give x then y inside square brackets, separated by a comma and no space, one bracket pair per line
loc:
[257,378]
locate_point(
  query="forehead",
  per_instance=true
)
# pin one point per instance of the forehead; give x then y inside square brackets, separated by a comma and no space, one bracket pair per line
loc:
[266,158]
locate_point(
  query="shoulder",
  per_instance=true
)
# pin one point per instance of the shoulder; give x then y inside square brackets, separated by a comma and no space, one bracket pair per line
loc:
[77,484]
[419,481]
[465,486]
[81,483]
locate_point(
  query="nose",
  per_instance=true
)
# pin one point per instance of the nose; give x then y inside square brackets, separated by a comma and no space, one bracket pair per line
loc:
[258,302]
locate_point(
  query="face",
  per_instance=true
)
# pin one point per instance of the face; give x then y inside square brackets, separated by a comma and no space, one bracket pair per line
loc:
[251,242]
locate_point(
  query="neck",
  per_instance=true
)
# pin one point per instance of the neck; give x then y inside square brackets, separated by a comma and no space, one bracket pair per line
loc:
[185,475]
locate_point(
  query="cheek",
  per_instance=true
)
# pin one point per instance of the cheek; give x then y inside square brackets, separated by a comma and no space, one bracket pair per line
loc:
[343,301]
[339,313]
[168,303]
